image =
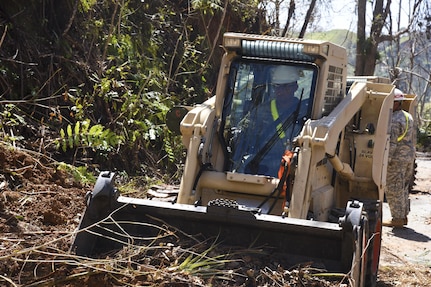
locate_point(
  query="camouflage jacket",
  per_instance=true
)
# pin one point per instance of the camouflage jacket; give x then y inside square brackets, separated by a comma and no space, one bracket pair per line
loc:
[401,142]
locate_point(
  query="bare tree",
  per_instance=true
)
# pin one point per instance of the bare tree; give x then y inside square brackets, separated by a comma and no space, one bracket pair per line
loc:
[405,56]
[307,18]
[290,13]
[367,47]
[408,58]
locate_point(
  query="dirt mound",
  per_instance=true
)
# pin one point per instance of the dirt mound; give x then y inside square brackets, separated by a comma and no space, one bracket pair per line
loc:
[35,195]
[38,205]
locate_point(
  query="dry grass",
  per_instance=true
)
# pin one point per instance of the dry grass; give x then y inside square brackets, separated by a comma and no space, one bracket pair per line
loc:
[174,260]
[405,275]
[171,259]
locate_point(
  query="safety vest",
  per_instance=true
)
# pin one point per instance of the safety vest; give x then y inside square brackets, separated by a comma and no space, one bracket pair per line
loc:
[275,116]
[406,114]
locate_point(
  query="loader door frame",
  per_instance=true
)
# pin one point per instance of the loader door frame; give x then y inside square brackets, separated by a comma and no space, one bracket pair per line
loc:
[244,105]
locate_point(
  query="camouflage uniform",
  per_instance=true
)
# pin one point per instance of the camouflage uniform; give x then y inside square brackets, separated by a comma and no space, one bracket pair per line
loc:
[401,164]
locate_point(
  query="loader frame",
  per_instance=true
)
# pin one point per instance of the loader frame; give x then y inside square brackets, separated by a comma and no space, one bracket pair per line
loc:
[330,212]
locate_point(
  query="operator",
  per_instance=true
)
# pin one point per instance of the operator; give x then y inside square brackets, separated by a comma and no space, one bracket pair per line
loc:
[401,163]
[273,115]
[284,82]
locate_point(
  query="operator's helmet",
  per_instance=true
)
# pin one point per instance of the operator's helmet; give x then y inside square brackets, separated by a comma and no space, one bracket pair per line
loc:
[398,95]
[284,74]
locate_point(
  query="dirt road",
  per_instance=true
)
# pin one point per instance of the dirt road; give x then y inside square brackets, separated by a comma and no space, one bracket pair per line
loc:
[411,245]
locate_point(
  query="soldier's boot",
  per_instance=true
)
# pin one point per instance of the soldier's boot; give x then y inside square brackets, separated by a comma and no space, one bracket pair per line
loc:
[395,222]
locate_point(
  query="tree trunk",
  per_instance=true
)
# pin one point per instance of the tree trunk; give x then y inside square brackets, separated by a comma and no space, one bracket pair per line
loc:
[307,18]
[360,44]
[289,17]
[367,53]
[277,4]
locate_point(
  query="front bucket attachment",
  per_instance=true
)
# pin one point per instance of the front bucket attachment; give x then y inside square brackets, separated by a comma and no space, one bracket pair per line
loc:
[112,221]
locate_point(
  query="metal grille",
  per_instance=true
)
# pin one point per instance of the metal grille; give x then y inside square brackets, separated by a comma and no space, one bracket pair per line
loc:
[334,90]
[277,50]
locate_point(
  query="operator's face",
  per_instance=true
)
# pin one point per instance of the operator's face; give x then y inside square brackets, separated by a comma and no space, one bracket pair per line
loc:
[285,90]
[397,105]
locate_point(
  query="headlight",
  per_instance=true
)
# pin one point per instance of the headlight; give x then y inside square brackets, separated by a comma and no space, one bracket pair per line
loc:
[232,43]
[311,49]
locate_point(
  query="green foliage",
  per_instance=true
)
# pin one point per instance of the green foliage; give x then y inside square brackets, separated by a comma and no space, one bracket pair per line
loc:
[10,116]
[202,264]
[82,135]
[207,6]
[87,4]
[424,140]
[114,69]
[10,120]
[80,174]
[424,130]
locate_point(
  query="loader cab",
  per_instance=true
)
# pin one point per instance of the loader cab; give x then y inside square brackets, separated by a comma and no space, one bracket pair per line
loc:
[266,104]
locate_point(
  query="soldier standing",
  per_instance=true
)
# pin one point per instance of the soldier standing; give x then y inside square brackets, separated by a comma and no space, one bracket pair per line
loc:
[401,163]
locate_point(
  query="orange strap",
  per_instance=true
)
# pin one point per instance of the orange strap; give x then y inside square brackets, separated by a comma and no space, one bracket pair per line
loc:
[286,160]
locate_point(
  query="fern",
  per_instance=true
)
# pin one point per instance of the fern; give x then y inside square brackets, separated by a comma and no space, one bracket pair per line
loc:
[80,174]
[81,135]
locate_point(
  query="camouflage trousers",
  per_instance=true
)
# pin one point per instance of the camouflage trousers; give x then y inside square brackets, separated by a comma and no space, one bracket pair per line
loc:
[397,184]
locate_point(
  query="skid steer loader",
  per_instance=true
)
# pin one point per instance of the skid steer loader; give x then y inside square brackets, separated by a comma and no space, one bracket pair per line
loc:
[307,179]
